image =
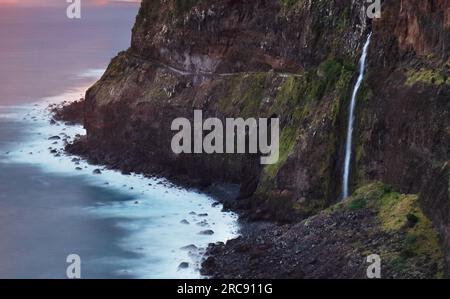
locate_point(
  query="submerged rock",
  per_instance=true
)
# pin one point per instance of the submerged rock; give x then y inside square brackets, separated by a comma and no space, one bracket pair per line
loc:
[207,232]
[190,247]
[203,223]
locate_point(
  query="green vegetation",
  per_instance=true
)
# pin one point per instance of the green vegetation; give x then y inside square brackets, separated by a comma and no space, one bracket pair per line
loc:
[427,76]
[288,3]
[399,213]
[244,92]
[288,140]
[252,95]
[298,101]
[289,95]
[358,203]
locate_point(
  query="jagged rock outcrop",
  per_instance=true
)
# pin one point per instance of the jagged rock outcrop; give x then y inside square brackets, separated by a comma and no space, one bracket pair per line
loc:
[295,60]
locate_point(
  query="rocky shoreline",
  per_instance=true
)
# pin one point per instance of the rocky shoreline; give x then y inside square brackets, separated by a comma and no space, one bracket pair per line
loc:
[226,193]
[335,243]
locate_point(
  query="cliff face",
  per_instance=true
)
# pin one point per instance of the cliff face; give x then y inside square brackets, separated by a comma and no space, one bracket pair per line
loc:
[234,59]
[296,60]
[404,120]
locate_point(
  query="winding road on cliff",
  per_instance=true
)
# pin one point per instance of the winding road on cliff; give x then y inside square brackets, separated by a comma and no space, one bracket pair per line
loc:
[210,74]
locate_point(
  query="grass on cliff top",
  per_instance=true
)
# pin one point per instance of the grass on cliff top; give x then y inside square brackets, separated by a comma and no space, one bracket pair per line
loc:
[399,213]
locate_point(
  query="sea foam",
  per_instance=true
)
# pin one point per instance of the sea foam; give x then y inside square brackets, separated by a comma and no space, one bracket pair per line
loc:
[154,213]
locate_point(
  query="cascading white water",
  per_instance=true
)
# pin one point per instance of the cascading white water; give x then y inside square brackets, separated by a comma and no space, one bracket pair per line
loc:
[351,118]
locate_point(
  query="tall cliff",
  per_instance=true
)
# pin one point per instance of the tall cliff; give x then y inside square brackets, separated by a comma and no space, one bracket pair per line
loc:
[296,60]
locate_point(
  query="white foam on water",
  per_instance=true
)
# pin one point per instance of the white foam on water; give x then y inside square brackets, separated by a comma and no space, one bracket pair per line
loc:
[152,218]
[9,115]
[12,112]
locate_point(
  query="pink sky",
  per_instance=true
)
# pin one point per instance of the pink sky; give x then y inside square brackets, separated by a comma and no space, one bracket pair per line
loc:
[56,2]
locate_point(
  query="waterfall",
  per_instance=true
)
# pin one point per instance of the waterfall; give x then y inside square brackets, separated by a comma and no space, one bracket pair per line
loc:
[351,118]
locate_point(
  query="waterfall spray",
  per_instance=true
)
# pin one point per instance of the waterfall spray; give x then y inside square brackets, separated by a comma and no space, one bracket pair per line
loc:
[351,118]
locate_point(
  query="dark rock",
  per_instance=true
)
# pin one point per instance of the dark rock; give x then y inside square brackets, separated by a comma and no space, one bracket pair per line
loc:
[70,113]
[412,220]
[191,247]
[207,232]
[202,223]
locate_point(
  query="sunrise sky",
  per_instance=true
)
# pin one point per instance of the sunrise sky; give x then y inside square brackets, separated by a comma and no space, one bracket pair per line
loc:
[56,2]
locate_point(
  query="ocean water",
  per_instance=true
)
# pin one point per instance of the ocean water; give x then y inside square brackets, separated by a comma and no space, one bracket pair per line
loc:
[52,204]
[42,52]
